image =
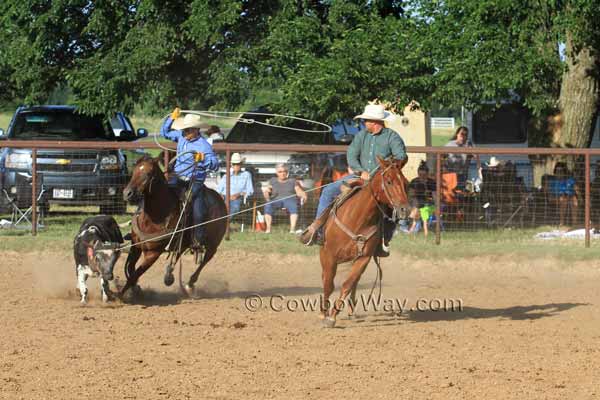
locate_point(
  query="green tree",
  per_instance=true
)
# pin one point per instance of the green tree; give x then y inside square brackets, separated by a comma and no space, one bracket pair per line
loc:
[318,58]
[495,49]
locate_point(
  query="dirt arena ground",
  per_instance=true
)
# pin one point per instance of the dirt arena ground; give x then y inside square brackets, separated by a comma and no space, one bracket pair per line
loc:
[527,331]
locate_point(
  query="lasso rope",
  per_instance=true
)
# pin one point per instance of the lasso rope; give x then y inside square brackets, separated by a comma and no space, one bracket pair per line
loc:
[157,238]
[236,115]
[154,239]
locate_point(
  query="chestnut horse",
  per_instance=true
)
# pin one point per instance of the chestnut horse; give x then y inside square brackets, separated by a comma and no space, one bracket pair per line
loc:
[160,216]
[353,233]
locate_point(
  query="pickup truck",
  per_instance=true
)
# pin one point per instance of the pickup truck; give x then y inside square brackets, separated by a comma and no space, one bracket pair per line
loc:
[70,176]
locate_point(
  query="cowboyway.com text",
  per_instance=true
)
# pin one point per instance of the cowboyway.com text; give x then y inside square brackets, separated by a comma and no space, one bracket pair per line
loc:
[365,303]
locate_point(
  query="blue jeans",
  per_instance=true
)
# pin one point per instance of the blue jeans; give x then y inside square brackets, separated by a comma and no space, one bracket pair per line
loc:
[291,204]
[329,193]
[198,204]
[235,206]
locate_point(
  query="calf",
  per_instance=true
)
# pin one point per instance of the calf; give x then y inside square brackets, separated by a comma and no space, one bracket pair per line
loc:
[96,249]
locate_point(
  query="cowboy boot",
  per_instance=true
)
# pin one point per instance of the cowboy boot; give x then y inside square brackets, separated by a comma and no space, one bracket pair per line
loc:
[314,234]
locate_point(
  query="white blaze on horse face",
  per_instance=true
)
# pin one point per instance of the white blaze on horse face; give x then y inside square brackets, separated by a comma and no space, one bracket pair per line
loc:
[141,167]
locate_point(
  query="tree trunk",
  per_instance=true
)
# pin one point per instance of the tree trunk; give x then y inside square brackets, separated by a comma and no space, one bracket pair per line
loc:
[572,126]
[578,101]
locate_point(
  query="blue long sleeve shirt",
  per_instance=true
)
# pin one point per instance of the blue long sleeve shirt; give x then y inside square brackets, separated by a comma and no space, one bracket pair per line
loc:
[240,183]
[183,165]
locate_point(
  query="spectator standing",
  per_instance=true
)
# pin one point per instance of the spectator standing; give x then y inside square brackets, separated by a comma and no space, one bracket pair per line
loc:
[278,193]
[459,163]
[240,184]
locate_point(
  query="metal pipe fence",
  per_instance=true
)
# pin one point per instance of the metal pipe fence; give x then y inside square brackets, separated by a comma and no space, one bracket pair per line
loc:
[463,189]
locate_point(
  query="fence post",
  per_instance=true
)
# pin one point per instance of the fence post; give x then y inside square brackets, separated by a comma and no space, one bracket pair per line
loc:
[33,192]
[587,200]
[438,198]
[227,188]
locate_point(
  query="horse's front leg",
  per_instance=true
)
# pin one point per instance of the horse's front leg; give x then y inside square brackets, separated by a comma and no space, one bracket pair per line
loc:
[352,301]
[328,271]
[355,273]
[150,257]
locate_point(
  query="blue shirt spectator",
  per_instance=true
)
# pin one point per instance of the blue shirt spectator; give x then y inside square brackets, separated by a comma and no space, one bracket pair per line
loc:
[239,183]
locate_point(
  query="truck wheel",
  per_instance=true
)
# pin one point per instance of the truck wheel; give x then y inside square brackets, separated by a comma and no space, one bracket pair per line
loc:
[116,208]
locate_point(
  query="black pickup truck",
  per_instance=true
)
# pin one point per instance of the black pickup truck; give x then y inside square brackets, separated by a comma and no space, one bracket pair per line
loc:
[70,176]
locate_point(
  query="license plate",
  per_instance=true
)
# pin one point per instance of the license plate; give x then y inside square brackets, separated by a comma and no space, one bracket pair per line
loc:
[62,193]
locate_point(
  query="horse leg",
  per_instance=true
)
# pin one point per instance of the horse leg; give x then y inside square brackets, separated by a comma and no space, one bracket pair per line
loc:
[328,271]
[352,301]
[169,277]
[132,258]
[355,273]
[149,258]
[210,253]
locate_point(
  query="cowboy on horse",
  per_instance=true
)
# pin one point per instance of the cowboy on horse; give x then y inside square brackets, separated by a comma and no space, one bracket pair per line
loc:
[373,141]
[195,157]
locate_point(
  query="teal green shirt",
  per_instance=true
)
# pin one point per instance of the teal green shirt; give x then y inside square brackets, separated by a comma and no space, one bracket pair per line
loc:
[364,149]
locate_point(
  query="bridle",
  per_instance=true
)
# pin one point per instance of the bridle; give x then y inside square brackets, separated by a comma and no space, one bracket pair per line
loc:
[387,194]
[149,180]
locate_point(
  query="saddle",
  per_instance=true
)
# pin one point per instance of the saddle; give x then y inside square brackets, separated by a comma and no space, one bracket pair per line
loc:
[348,189]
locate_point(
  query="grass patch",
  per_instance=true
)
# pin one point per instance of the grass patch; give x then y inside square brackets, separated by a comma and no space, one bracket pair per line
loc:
[61,228]
[5,120]
[441,136]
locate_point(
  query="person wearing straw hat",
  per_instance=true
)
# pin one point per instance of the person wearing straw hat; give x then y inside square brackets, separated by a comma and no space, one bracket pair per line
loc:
[195,157]
[375,140]
[240,184]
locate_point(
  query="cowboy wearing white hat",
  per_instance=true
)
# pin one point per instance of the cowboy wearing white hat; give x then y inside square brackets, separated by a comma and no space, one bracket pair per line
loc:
[240,184]
[374,112]
[195,156]
[375,140]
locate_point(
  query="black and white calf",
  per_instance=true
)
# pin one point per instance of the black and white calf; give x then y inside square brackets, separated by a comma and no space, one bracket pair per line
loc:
[96,249]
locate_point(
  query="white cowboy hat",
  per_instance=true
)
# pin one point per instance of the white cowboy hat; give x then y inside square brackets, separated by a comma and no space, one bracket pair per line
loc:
[189,121]
[494,162]
[236,158]
[375,112]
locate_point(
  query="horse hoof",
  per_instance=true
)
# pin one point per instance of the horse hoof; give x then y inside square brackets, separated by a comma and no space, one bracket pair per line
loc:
[328,322]
[169,279]
[189,290]
[105,298]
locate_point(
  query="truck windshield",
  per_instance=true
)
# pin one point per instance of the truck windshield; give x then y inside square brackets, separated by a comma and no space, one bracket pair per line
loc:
[60,125]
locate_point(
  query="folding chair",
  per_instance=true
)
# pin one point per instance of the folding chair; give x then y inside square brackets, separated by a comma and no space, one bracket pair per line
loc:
[20,201]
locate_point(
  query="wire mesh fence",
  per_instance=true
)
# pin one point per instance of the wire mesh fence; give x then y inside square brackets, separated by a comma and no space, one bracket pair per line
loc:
[450,189]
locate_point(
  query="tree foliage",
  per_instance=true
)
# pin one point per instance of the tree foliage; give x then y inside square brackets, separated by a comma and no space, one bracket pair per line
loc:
[319,58]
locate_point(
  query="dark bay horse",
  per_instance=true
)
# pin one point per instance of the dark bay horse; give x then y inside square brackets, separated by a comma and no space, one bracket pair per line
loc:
[160,216]
[353,233]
